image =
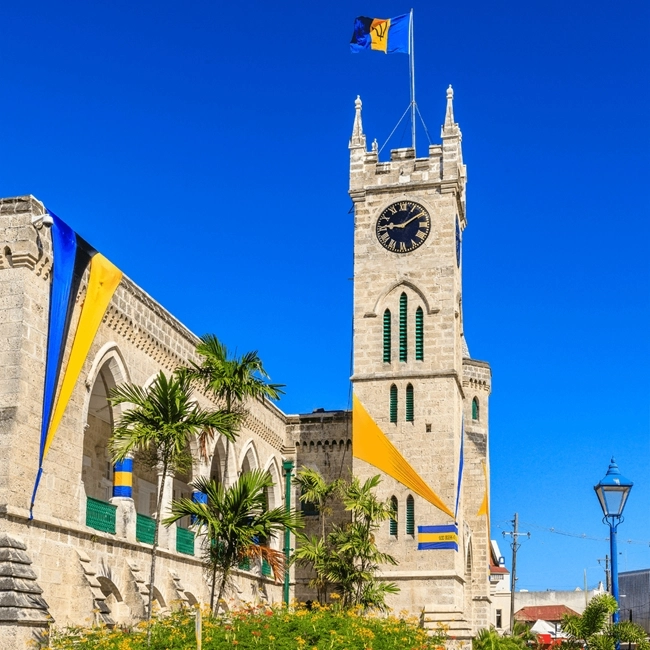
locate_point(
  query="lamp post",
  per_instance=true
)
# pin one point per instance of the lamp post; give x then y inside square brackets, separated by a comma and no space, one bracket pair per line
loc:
[287,466]
[612,492]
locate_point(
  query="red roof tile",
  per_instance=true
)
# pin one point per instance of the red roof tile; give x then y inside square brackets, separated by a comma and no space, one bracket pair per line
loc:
[543,612]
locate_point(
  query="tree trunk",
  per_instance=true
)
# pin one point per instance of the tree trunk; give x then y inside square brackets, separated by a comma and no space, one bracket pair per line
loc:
[213,587]
[222,587]
[154,549]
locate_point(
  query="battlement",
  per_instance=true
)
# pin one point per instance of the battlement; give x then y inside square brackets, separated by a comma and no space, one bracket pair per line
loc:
[442,167]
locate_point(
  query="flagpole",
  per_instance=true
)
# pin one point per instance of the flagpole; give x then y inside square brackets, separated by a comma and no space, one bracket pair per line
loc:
[412,74]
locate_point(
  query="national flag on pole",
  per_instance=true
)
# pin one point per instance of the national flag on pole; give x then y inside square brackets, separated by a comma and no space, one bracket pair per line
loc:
[388,35]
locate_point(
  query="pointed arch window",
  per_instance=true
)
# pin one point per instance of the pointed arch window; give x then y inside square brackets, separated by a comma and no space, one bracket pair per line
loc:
[419,334]
[410,515]
[403,338]
[409,403]
[475,411]
[392,522]
[393,403]
[387,336]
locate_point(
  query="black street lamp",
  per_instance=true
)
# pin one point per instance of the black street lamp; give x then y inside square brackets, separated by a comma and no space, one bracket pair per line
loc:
[612,492]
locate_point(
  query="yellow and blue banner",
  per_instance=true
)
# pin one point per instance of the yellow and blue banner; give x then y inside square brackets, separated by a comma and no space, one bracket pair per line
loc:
[71,257]
[370,444]
[387,35]
[434,538]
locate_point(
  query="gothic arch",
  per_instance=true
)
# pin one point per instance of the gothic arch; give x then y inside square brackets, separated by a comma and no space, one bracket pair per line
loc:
[381,299]
[248,458]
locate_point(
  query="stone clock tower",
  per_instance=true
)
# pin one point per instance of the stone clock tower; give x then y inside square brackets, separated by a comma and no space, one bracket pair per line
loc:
[421,402]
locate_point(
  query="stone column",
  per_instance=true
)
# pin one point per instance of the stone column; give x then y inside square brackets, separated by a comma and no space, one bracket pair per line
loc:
[125,517]
[166,536]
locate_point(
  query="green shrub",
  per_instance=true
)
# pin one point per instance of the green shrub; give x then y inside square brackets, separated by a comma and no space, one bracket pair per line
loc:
[262,628]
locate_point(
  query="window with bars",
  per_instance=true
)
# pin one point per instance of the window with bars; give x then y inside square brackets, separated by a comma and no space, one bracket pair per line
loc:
[475,408]
[410,515]
[403,338]
[393,403]
[409,403]
[419,334]
[392,522]
[387,335]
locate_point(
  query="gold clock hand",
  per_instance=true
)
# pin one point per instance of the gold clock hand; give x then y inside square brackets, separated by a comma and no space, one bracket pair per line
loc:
[406,223]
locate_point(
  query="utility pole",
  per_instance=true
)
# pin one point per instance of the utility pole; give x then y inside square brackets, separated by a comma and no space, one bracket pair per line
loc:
[608,584]
[515,534]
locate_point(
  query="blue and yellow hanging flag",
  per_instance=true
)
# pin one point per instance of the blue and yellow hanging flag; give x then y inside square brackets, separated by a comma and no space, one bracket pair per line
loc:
[388,35]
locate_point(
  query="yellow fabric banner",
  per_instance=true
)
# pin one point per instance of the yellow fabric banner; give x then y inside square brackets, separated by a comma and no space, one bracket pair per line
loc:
[104,279]
[379,34]
[370,444]
[437,537]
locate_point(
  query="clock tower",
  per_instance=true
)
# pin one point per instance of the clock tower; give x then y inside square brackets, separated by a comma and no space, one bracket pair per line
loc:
[420,401]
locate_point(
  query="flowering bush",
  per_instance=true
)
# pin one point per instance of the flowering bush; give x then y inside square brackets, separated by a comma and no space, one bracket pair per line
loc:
[262,628]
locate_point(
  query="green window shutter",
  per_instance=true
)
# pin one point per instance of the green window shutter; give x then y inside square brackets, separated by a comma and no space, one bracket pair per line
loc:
[184,541]
[410,515]
[409,403]
[245,564]
[419,334]
[403,340]
[475,409]
[393,403]
[387,336]
[266,569]
[100,515]
[145,528]
[392,522]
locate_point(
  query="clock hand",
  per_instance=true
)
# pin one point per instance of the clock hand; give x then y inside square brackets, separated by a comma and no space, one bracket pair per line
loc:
[406,223]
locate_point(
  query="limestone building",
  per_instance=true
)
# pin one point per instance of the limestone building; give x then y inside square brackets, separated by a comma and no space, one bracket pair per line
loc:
[420,416]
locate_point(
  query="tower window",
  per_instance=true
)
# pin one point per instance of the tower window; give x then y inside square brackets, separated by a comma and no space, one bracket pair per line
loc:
[499,620]
[410,515]
[387,336]
[403,339]
[409,403]
[475,408]
[392,522]
[419,334]
[393,403]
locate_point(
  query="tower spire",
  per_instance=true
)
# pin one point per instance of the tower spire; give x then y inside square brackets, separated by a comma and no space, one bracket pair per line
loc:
[358,138]
[449,114]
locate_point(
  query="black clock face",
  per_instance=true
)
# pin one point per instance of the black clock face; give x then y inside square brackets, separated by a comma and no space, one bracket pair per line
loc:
[403,226]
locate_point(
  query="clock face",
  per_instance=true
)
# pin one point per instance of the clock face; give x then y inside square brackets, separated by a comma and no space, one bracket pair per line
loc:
[403,226]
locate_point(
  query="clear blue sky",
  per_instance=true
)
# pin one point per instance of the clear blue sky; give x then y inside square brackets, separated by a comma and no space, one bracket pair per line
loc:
[202,147]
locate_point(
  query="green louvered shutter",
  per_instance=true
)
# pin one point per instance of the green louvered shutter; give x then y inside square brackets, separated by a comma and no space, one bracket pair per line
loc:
[387,336]
[403,303]
[392,526]
[393,403]
[410,516]
[475,409]
[419,334]
[409,403]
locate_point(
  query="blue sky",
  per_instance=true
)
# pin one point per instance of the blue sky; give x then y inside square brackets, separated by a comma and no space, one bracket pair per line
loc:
[203,149]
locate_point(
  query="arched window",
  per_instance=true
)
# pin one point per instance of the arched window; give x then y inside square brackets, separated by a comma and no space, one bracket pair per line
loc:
[410,516]
[393,403]
[392,522]
[475,409]
[419,334]
[403,340]
[387,336]
[409,403]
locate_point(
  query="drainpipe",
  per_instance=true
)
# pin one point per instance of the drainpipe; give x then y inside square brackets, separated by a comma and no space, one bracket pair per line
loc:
[287,466]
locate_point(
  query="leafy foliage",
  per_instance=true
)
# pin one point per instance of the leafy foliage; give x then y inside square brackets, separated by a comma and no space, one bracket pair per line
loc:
[262,628]
[232,521]
[348,558]
[594,629]
[161,422]
[490,639]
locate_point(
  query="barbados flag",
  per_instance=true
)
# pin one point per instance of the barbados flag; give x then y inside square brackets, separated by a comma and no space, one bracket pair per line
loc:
[388,35]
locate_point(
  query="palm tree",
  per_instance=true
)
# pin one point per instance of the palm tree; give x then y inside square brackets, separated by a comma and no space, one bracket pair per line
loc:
[490,639]
[233,520]
[593,629]
[161,422]
[232,379]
